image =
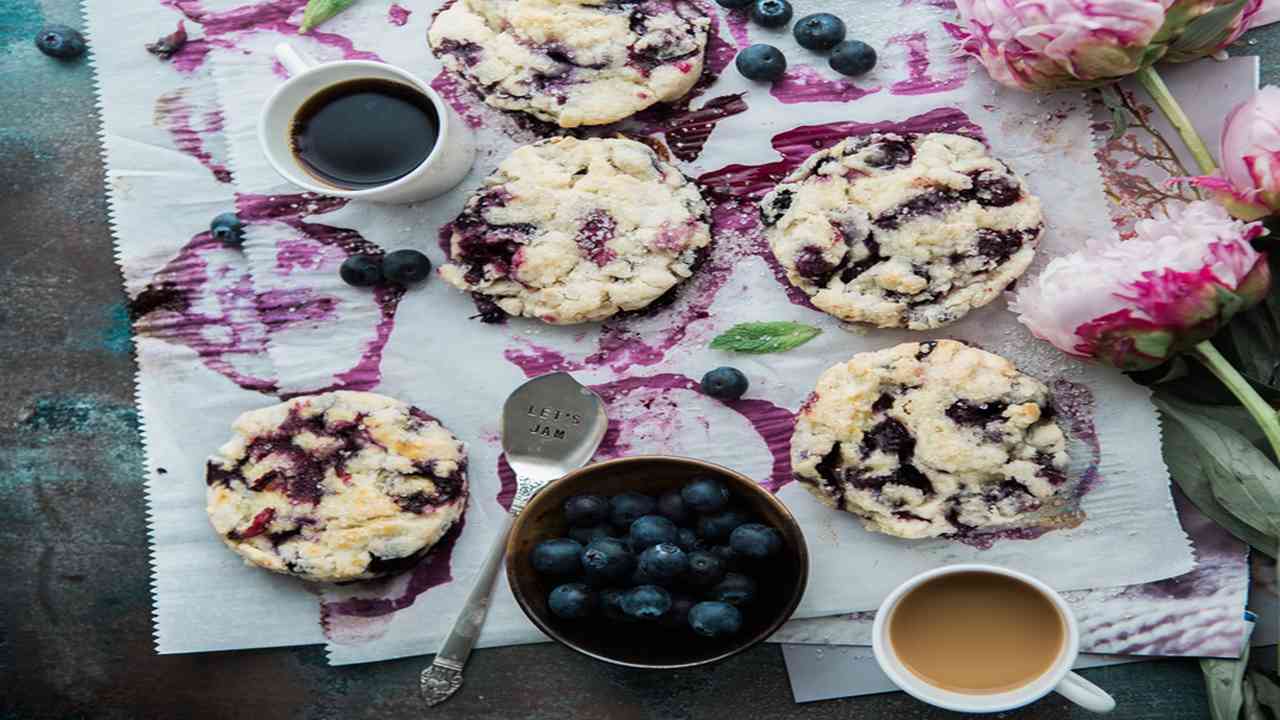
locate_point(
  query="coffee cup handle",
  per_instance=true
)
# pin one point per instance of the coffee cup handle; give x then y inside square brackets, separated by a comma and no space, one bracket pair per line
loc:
[1085,694]
[295,61]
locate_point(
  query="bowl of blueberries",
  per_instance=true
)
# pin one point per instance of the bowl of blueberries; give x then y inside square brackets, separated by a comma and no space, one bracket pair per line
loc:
[657,562]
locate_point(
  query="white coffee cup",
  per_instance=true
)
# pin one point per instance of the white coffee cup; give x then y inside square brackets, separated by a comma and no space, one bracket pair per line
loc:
[1058,678]
[446,165]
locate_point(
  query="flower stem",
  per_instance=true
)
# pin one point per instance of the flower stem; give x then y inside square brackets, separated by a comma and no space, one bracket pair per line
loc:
[1263,414]
[1159,92]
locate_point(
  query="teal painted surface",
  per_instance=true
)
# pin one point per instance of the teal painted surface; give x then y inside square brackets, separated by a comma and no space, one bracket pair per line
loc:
[20,20]
[118,333]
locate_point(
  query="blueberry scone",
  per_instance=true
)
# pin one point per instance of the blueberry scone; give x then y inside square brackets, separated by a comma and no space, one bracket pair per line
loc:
[932,438]
[336,487]
[574,62]
[571,231]
[902,230]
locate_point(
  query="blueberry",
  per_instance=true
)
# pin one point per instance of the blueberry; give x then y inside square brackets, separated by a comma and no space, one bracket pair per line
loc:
[671,506]
[665,562]
[227,228]
[649,530]
[585,535]
[852,57]
[610,602]
[677,617]
[819,31]
[764,63]
[725,383]
[726,555]
[361,270]
[628,507]
[715,619]
[586,510]
[735,589]
[607,559]
[688,540]
[717,526]
[60,41]
[640,577]
[556,557]
[771,13]
[406,267]
[705,569]
[755,541]
[571,601]
[705,495]
[647,602]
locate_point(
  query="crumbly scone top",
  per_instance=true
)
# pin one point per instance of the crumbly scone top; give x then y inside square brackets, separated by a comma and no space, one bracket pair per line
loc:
[336,487]
[902,230]
[928,439]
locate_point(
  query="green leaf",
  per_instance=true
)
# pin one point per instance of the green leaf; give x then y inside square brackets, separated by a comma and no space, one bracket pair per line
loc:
[1119,113]
[1209,30]
[1224,679]
[764,337]
[320,11]
[1255,337]
[1203,454]
[1265,691]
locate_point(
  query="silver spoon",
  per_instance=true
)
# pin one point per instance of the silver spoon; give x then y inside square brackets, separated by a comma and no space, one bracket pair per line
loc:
[550,425]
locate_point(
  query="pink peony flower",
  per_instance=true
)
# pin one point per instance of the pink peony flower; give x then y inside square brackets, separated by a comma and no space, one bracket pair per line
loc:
[1134,304]
[1250,157]
[1053,44]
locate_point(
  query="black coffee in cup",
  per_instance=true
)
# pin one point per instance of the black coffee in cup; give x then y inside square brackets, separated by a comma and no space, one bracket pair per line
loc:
[364,133]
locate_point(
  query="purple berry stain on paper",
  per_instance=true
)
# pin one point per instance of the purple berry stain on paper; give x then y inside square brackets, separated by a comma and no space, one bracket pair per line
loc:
[190,127]
[920,81]
[398,15]
[804,84]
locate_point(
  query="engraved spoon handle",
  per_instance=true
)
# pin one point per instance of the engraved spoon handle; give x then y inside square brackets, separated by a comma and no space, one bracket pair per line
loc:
[443,677]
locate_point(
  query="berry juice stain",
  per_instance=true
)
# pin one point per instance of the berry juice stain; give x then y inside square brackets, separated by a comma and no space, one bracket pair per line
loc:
[804,84]
[919,81]
[398,15]
[191,128]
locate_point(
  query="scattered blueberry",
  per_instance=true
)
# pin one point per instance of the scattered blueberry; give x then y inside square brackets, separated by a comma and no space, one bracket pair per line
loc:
[735,589]
[60,41]
[705,569]
[734,4]
[819,31]
[406,267]
[607,559]
[771,13]
[715,619]
[571,601]
[586,510]
[755,541]
[610,600]
[556,557]
[718,526]
[852,57]
[585,535]
[726,555]
[725,383]
[671,506]
[650,530]
[705,495]
[678,616]
[628,507]
[226,228]
[664,562]
[764,63]
[688,540]
[647,602]
[361,270]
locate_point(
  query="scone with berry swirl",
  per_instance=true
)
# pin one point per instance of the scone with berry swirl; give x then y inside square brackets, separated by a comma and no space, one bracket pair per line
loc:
[902,230]
[928,439]
[336,487]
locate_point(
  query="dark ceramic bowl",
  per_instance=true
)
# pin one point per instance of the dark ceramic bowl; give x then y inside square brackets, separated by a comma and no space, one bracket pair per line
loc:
[649,645]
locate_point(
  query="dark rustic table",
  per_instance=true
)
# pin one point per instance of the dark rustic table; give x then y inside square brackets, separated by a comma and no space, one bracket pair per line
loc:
[75,621]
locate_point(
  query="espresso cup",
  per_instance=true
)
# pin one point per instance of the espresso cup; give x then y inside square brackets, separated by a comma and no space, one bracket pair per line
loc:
[450,158]
[1056,678]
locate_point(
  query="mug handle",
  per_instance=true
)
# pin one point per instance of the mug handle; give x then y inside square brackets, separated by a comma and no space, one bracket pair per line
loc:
[1085,694]
[295,61]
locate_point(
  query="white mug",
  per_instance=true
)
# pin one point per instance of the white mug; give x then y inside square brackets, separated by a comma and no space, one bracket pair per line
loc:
[1058,678]
[449,161]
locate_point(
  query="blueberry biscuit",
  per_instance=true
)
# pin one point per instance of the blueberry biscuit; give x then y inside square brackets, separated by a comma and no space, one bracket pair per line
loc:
[571,231]
[336,487]
[932,438]
[574,62]
[902,230]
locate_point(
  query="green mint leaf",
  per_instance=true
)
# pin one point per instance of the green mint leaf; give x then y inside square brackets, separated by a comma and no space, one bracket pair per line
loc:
[1210,29]
[1119,114]
[764,337]
[319,11]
